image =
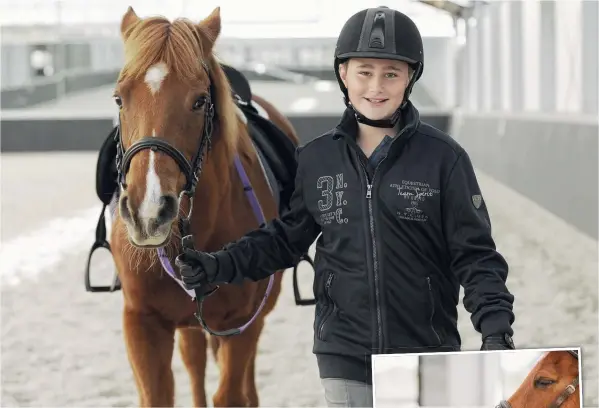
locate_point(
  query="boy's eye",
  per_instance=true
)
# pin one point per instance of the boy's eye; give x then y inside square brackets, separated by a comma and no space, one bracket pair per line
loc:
[387,75]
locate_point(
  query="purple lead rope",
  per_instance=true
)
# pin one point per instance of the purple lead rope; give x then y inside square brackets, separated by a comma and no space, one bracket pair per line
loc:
[251,195]
[166,264]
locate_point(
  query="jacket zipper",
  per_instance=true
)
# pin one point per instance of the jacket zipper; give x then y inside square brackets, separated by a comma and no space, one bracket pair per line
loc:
[432,300]
[331,308]
[369,184]
[375,263]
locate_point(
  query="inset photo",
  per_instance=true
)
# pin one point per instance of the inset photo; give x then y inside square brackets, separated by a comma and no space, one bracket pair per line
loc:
[501,379]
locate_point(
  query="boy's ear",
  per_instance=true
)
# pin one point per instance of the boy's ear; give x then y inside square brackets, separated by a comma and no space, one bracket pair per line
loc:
[343,73]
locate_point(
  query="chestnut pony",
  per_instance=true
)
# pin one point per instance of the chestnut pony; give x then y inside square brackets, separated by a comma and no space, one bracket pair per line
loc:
[553,382]
[163,93]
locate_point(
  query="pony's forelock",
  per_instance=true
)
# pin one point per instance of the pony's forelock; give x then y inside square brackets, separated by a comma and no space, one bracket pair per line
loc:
[181,46]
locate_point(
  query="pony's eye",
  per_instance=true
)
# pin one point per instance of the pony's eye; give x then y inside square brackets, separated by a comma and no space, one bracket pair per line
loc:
[543,382]
[118,101]
[197,105]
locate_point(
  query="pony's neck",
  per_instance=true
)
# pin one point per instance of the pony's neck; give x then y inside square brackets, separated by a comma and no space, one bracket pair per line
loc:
[220,189]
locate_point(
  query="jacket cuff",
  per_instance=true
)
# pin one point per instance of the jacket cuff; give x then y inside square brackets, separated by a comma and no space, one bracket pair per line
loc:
[496,323]
[226,267]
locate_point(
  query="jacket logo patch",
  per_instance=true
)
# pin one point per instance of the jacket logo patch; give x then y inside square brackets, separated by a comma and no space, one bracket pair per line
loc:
[414,193]
[477,200]
[332,190]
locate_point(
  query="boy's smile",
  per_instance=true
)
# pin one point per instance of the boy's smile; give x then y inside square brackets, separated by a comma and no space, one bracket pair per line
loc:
[377,101]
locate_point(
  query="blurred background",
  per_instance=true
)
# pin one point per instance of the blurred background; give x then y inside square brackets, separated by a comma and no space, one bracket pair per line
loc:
[514,82]
[451,380]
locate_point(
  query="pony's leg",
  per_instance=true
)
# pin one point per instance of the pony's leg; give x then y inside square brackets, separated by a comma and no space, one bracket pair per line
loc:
[193,345]
[150,343]
[250,381]
[235,357]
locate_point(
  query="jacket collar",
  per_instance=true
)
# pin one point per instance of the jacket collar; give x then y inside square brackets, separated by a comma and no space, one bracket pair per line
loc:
[347,127]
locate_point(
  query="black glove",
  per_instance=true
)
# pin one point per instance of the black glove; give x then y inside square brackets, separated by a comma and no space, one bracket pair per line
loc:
[198,269]
[498,342]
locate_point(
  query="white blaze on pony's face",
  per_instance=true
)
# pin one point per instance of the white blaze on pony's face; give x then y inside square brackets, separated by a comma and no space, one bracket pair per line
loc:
[155,75]
[161,93]
[152,203]
[151,206]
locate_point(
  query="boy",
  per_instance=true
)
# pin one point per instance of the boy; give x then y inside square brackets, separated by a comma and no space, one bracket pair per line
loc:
[402,219]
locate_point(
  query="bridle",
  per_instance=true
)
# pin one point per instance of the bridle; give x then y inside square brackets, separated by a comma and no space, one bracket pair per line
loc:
[564,395]
[192,171]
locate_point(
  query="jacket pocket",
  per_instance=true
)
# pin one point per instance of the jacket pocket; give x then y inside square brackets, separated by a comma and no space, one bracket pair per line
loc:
[329,307]
[431,315]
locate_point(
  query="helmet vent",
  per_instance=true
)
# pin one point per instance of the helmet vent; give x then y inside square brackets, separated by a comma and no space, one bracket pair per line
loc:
[377,35]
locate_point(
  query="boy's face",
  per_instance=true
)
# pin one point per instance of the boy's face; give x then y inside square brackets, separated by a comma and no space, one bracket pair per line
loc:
[375,86]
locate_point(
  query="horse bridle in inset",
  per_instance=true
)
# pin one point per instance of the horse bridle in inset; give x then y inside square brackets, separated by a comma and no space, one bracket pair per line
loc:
[570,389]
[192,170]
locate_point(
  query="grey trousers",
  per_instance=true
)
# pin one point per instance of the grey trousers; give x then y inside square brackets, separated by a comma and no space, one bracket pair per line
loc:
[347,393]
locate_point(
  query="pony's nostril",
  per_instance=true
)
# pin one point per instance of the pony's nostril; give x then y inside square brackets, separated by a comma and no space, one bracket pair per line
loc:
[168,209]
[124,208]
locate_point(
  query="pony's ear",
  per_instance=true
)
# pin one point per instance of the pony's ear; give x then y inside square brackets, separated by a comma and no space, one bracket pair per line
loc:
[210,26]
[128,21]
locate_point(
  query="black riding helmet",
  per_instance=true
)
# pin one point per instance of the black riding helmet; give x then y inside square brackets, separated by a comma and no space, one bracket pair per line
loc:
[380,33]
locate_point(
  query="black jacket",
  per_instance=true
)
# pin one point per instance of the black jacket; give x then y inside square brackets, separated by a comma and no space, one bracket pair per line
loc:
[394,249]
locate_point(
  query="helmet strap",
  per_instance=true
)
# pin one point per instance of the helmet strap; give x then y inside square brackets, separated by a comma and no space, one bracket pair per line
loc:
[381,123]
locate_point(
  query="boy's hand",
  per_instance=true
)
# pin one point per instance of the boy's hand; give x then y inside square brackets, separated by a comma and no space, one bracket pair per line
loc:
[197,268]
[498,342]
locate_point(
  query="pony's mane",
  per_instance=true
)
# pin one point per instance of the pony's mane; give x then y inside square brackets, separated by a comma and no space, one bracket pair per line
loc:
[181,46]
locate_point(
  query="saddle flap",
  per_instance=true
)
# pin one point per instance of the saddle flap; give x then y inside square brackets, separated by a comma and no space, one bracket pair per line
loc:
[277,149]
[106,171]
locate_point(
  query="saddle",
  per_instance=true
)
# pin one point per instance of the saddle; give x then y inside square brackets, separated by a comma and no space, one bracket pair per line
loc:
[239,83]
[274,148]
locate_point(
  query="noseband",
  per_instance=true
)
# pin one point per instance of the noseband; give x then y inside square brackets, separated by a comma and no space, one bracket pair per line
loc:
[192,170]
[569,390]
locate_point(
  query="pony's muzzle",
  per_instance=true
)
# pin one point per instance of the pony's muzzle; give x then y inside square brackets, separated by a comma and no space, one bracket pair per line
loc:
[149,225]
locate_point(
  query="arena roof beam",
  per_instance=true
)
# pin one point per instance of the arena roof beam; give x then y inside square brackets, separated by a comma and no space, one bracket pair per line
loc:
[456,9]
